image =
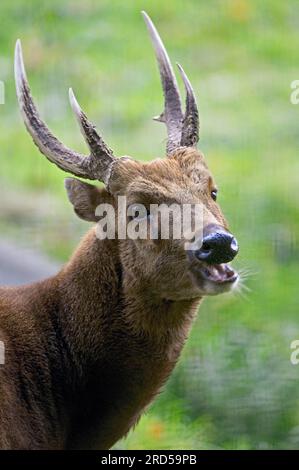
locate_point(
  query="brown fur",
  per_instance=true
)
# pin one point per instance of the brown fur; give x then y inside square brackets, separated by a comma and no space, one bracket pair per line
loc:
[88,349]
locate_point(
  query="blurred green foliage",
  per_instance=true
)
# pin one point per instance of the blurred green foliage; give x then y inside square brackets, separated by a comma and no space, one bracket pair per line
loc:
[234,386]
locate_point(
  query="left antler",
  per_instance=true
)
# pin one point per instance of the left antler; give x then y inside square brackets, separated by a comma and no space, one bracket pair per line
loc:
[182,130]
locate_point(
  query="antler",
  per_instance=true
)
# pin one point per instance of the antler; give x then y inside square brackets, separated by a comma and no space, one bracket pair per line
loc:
[172,114]
[183,130]
[190,130]
[96,166]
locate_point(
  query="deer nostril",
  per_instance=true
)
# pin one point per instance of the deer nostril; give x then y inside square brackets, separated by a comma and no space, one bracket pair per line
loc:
[206,246]
[234,245]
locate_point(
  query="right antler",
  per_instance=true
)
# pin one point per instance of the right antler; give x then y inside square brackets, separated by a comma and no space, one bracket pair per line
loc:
[96,166]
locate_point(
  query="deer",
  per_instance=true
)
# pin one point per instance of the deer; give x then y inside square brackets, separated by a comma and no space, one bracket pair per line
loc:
[87,350]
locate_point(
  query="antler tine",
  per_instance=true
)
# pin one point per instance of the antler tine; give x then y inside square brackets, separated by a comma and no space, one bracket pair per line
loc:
[101,155]
[190,130]
[172,114]
[79,165]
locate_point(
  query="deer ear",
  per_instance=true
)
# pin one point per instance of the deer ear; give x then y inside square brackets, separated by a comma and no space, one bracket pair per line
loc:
[84,197]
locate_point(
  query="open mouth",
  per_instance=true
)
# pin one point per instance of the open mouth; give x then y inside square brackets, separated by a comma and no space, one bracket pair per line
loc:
[218,273]
[212,278]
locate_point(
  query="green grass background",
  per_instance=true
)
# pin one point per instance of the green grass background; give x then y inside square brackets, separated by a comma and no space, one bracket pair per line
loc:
[234,386]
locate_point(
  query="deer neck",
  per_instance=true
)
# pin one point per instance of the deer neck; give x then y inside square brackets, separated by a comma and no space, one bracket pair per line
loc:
[123,342]
[100,298]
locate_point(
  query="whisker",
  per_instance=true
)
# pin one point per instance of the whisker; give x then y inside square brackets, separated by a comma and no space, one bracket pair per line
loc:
[247,272]
[242,290]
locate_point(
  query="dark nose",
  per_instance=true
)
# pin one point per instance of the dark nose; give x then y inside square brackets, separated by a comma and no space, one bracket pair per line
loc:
[218,247]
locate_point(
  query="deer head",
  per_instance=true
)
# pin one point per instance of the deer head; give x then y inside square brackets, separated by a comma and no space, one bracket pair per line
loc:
[164,267]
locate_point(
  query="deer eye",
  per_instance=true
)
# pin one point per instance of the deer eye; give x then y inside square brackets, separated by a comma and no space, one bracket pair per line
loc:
[214,194]
[137,212]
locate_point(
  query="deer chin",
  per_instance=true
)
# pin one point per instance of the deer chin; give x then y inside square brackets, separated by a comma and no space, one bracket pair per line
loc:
[213,279]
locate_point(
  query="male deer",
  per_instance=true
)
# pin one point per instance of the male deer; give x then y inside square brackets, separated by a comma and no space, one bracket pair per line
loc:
[87,350]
